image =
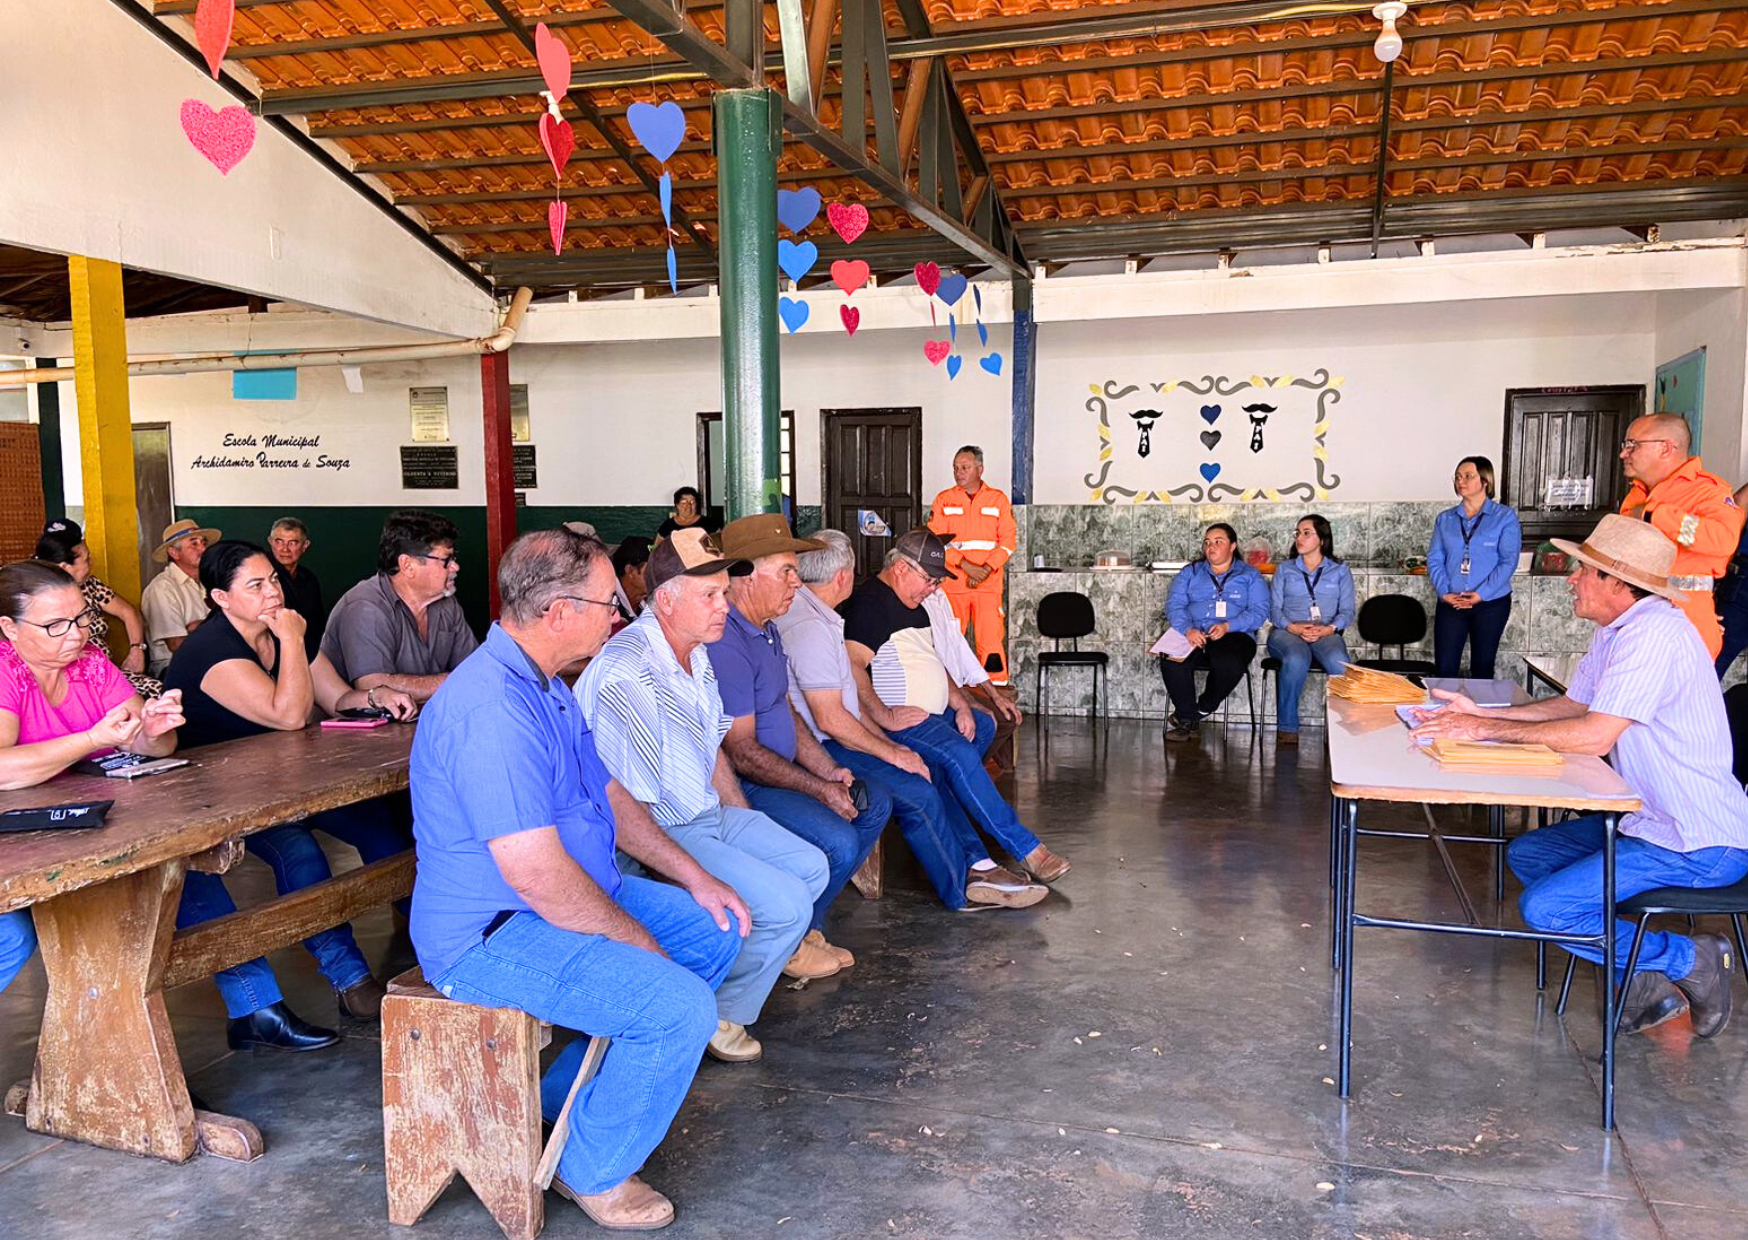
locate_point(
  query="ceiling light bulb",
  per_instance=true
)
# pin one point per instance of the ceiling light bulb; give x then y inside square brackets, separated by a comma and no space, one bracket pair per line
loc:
[1389,42]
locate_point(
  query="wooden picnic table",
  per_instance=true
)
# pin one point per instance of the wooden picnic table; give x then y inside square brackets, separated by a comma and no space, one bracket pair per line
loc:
[105,902]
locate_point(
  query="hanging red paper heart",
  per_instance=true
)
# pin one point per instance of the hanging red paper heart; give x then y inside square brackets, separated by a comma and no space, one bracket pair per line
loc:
[555,62]
[852,318]
[212,30]
[558,140]
[936,351]
[848,221]
[224,137]
[928,277]
[557,212]
[849,275]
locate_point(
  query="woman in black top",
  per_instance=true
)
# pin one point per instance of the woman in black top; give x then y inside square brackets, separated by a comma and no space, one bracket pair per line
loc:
[244,672]
[688,511]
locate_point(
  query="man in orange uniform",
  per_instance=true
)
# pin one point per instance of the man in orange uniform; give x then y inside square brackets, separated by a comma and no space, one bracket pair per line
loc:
[1693,506]
[978,523]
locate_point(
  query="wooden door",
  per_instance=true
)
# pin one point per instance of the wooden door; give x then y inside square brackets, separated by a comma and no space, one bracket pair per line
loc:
[154,501]
[1562,466]
[873,463]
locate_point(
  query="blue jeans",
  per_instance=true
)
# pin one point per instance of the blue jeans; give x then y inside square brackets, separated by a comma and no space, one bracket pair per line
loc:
[845,844]
[245,989]
[296,860]
[941,838]
[1561,869]
[957,766]
[659,1012]
[778,875]
[1481,626]
[1295,654]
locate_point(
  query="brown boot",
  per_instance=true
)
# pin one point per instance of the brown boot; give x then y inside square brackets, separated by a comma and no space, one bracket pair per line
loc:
[1649,1000]
[844,958]
[362,1001]
[1708,984]
[630,1205]
[1044,865]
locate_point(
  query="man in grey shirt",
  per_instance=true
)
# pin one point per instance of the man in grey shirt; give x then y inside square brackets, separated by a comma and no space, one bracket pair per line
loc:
[403,629]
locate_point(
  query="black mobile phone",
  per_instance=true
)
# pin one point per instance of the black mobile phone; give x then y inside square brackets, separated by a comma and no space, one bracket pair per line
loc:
[366,712]
[859,795]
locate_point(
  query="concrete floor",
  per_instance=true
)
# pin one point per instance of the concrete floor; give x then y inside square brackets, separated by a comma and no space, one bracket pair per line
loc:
[1143,1055]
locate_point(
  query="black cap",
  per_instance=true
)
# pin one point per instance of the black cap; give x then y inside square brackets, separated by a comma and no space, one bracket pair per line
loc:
[925,549]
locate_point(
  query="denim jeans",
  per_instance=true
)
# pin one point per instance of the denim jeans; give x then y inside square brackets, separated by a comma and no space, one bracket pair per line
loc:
[778,875]
[957,766]
[1295,654]
[1481,626]
[1733,615]
[845,844]
[941,838]
[659,1012]
[245,989]
[1561,870]
[297,862]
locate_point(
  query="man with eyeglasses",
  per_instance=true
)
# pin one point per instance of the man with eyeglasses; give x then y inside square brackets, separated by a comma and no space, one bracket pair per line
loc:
[289,541]
[1694,507]
[403,628]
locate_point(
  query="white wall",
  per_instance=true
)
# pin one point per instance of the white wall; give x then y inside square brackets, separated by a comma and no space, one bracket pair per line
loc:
[1716,321]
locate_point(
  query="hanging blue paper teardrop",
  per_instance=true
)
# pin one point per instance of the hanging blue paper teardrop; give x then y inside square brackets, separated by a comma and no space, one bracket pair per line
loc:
[673,270]
[982,333]
[977,297]
[952,328]
[667,194]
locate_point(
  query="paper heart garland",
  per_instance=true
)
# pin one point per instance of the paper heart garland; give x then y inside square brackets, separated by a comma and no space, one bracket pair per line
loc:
[558,212]
[1210,471]
[952,288]
[936,351]
[659,128]
[991,363]
[848,220]
[212,30]
[852,318]
[796,260]
[558,140]
[953,365]
[224,137]
[797,208]
[1209,413]
[794,313]
[850,275]
[555,62]
[1209,439]
[982,334]
[928,277]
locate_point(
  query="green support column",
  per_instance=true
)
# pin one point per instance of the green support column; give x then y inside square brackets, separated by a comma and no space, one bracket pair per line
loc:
[749,138]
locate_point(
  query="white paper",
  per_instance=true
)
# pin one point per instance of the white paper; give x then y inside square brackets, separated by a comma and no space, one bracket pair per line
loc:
[1173,645]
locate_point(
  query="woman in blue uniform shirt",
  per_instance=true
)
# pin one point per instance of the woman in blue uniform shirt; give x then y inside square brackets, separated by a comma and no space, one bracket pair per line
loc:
[1218,603]
[1310,606]
[1472,557]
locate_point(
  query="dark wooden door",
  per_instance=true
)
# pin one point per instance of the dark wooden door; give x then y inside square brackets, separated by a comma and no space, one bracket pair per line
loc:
[874,463]
[1562,467]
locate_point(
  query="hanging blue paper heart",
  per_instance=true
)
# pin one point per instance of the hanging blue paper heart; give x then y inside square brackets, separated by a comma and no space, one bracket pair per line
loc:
[659,128]
[666,186]
[797,208]
[991,363]
[796,260]
[793,313]
[952,328]
[952,288]
[673,270]
[1209,413]
[1210,471]
[982,333]
[953,365]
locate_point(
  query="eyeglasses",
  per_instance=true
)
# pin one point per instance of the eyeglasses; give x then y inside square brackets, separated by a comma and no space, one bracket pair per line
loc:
[1633,445]
[610,604]
[447,561]
[920,571]
[60,628]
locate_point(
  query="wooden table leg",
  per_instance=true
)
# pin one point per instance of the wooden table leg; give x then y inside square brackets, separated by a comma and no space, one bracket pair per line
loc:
[106,1066]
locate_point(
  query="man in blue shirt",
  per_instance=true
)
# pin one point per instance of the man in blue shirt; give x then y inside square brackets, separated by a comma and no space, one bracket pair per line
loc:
[784,772]
[520,903]
[1217,604]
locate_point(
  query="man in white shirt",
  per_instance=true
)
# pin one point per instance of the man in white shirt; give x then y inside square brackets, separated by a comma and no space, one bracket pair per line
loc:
[174,602]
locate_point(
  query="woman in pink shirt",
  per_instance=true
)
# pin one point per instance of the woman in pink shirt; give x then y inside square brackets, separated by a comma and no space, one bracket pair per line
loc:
[62,701]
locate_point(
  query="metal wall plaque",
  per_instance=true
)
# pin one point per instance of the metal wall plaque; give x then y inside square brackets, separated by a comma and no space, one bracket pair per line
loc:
[521,429]
[430,414]
[522,463]
[430,468]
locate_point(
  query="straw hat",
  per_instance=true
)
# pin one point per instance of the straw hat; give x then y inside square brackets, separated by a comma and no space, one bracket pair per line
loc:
[1637,552]
[182,529]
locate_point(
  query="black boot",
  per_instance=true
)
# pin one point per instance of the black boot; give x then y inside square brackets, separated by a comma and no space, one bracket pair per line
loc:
[278,1028]
[1707,987]
[1649,1000]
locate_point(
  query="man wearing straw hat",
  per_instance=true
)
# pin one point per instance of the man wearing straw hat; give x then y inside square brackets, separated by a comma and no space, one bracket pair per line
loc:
[174,602]
[1646,695]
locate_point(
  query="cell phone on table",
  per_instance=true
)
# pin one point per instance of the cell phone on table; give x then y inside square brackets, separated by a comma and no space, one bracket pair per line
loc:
[365,712]
[342,723]
[123,765]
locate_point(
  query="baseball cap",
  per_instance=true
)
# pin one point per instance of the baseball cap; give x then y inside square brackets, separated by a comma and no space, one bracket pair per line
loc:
[926,549]
[689,552]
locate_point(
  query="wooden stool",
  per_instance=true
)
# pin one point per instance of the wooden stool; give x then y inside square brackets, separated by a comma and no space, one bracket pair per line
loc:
[461,1094]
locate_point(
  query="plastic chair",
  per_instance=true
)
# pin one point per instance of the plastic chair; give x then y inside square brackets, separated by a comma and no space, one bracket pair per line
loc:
[1068,616]
[1395,620]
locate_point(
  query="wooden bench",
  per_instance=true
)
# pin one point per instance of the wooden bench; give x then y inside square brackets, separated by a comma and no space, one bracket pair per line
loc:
[461,1096]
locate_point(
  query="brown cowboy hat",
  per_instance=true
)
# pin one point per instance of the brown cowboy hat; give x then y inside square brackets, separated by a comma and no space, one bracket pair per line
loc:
[762,534]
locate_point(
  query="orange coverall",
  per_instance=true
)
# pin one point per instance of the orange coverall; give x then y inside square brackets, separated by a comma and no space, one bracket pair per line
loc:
[1695,508]
[979,529]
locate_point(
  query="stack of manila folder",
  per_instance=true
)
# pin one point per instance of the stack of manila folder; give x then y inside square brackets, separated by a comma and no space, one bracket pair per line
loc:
[1366,684]
[1495,755]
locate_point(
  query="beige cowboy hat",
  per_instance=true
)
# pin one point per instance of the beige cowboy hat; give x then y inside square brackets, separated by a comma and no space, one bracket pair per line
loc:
[182,529]
[1637,552]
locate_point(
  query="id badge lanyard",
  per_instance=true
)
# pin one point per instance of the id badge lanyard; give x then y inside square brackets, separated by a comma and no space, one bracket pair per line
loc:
[1220,591]
[1311,590]
[1468,531]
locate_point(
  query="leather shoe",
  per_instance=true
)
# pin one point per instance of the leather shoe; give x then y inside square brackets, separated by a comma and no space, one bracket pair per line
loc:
[1044,865]
[1707,984]
[631,1205]
[363,1001]
[845,959]
[810,962]
[278,1028]
[1650,1000]
[731,1043]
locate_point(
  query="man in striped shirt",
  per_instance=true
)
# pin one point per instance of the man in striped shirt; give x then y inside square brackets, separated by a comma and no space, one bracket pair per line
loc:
[1645,693]
[650,697]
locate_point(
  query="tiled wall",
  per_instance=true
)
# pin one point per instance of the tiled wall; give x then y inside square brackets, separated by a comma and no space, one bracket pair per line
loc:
[1130,606]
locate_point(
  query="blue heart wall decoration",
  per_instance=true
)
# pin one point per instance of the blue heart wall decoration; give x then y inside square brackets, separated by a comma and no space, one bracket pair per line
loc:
[953,365]
[796,260]
[793,313]
[1210,471]
[797,208]
[1209,413]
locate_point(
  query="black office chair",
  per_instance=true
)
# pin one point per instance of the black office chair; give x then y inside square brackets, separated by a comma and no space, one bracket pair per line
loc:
[1068,616]
[1395,620]
[1689,902]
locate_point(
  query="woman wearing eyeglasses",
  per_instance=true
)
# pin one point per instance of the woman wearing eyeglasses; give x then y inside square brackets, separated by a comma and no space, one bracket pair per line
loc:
[62,701]
[1473,554]
[1310,607]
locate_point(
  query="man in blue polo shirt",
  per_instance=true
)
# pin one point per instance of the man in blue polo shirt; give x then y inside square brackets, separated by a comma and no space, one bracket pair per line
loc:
[784,771]
[519,902]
